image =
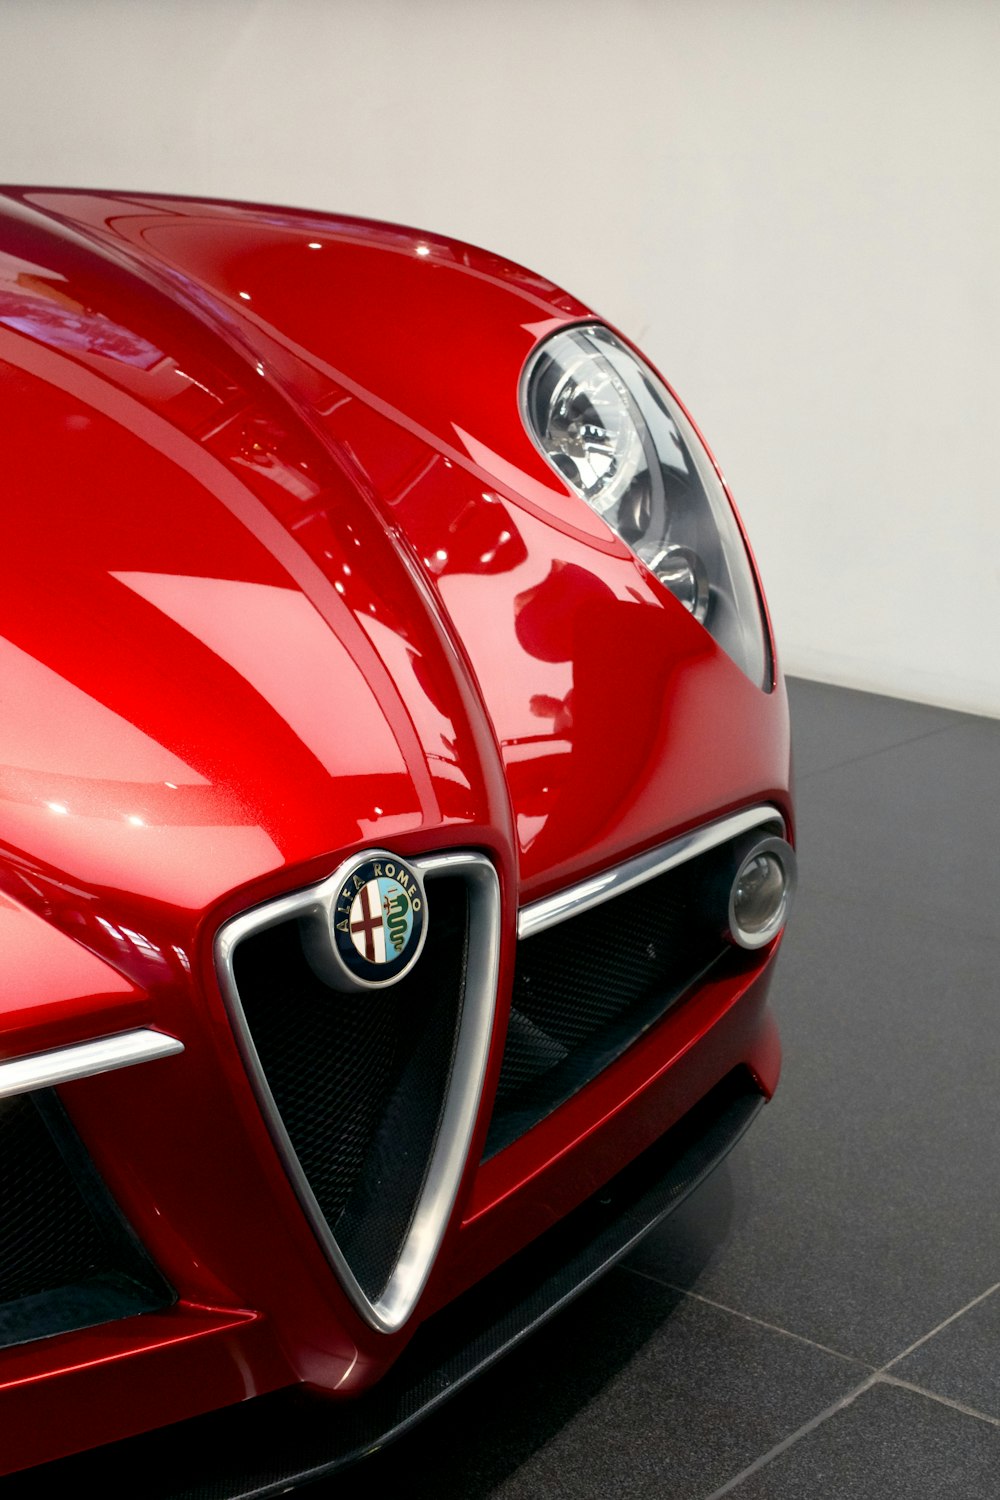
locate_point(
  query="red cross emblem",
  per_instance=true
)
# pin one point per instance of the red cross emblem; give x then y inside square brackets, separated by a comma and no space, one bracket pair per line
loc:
[369,924]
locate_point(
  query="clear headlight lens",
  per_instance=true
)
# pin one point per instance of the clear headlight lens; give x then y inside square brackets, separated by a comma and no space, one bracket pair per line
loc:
[610,428]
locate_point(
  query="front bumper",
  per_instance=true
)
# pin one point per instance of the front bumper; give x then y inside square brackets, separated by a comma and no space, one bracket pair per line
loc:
[204,1353]
[265,1446]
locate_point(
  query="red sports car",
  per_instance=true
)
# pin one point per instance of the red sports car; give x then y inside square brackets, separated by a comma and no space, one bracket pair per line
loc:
[395,832]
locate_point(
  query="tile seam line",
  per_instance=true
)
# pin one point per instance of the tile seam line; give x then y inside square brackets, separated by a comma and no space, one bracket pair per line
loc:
[793,1437]
[923,1339]
[853,760]
[831,1411]
[800,1338]
[920,1390]
[878,1377]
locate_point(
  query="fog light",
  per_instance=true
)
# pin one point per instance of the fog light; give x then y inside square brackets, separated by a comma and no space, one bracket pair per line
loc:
[761,893]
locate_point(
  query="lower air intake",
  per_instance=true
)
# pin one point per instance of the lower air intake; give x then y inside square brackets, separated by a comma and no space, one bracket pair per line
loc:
[67,1258]
[589,985]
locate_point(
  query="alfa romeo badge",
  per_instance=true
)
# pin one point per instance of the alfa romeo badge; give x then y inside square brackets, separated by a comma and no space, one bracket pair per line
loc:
[378,918]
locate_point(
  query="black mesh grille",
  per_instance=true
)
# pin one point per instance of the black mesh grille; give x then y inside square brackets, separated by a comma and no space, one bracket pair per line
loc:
[47,1237]
[584,990]
[67,1259]
[360,1080]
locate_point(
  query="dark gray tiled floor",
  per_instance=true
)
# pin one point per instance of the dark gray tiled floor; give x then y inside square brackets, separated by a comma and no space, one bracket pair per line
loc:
[825,737]
[853,1239]
[888,1444]
[914,828]
[962,1362]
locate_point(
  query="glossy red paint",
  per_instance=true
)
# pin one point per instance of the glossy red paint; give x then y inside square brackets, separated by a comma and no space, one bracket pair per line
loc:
[608,663]
[258,450]
[187,1360]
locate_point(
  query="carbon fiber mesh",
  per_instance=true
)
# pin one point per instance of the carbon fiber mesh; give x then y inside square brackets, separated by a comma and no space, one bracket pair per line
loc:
[587,988]
[47,1237]
[360,1080]
[67,1259]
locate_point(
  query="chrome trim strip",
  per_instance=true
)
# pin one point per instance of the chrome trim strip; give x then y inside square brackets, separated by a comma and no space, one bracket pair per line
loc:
[461,1105]
[556,908]
[43,1070]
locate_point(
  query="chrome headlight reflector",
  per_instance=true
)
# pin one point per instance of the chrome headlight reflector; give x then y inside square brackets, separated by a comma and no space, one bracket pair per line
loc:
[616,436]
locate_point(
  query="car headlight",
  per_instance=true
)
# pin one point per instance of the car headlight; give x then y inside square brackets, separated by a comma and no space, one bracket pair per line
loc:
[611,429]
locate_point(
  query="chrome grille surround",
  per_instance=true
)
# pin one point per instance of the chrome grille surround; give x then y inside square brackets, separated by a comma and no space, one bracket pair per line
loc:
[389,1310]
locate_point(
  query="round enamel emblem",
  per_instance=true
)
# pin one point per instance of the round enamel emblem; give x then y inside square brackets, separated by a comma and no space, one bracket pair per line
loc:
[378,919]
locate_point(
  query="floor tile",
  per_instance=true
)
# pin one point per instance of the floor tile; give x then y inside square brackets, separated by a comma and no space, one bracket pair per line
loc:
[831,725]
[889,1444]
[962,1362]
[862,1207]
[915,828]
[632,1391]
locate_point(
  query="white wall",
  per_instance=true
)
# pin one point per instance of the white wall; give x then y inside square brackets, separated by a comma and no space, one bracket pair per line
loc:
[793,204]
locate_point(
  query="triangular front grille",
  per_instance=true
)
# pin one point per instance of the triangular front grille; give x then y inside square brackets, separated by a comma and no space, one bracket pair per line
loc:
[371,1097]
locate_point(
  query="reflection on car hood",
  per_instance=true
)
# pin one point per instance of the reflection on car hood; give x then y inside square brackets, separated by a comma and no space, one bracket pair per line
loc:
[284,574]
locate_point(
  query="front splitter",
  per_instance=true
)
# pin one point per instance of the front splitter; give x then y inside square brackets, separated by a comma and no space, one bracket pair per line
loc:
[273,1443]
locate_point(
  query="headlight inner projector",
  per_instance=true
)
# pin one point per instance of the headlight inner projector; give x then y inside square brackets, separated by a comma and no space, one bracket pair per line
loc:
[617,437]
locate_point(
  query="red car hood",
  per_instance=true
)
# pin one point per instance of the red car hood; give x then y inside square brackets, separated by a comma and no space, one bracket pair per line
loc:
[284,577]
